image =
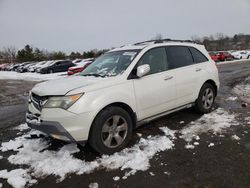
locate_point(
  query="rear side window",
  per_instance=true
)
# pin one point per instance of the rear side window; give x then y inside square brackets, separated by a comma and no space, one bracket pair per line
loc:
[198,56]
[179,56]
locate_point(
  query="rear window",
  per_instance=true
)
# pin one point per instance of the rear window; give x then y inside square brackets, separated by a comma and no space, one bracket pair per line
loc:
[198,56]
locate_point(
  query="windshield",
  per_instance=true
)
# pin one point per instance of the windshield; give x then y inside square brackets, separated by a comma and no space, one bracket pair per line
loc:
[110,64]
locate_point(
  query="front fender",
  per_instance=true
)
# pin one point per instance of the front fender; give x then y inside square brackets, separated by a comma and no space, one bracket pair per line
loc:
[95,101]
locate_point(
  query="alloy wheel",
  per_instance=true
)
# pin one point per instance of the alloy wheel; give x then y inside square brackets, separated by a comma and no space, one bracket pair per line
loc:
[114,131]
[208,98]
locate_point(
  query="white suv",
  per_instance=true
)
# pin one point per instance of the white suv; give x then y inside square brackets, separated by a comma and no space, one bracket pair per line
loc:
[123,89]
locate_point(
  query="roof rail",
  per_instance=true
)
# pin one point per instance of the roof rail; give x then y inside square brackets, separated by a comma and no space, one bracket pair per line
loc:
[162,41]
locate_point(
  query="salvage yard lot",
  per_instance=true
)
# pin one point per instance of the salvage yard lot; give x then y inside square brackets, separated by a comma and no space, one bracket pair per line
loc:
[182,149]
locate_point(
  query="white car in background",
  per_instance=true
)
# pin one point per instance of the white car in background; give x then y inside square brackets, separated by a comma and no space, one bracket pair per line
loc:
[123,89]
[43,65]
[241,54]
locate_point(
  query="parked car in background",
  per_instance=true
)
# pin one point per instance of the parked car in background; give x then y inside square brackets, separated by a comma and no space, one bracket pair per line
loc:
[76,61]
[32,68]
[241,54]
[221,56]
[43,65]
[214,56]
[228,56]
[57,66]
[2,67]
[122,89]
[80,66]
[22,67]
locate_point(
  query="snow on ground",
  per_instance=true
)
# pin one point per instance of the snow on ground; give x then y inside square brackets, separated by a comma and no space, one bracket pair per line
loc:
[93,185]
[43,162]
[232,98]
[18,178]
[243,90]
[30,76]
[235,137]
[214,122]
[211,145]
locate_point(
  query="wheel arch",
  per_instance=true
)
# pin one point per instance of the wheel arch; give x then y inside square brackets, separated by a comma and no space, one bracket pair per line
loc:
[125,107]
[213,84]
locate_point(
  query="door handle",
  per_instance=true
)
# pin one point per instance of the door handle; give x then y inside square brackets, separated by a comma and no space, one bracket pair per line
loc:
[168,78]
[198,69]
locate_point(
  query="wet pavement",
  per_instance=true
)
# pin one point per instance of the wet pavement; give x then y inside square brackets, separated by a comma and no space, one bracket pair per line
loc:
[227,164]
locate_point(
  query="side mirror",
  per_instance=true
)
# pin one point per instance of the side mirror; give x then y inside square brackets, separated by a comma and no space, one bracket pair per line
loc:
[142,70]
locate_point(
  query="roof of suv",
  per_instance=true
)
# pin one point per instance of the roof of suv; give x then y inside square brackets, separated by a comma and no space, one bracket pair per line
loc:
[144,44]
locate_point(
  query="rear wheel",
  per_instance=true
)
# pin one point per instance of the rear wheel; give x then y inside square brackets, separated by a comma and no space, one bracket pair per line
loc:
[206,98]
[111,130]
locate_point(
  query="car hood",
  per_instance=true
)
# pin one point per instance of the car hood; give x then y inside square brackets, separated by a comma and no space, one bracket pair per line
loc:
[64,85]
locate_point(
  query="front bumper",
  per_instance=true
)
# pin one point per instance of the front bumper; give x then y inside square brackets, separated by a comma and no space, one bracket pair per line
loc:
[60,124]
[51,128]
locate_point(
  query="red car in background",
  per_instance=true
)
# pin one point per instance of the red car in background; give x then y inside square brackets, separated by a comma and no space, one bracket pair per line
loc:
[214,56]
[228,56]
[80,66]
[221,56]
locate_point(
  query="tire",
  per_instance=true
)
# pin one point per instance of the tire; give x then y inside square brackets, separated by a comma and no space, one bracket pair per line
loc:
[248,57]
[205,100]
[109,123]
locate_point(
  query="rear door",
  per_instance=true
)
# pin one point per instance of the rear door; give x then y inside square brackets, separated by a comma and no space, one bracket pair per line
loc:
[187,73]
[155,92]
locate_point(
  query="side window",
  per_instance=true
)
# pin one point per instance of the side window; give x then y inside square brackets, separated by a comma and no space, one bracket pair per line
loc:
[157,60]
[179,56]
[198,56]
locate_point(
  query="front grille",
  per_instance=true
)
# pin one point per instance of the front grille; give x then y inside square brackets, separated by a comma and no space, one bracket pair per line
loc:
[38,100]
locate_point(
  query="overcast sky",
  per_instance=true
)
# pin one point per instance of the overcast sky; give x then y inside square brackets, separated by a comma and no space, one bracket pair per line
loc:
[78,25]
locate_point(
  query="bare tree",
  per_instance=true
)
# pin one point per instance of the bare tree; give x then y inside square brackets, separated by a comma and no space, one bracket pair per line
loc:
[195,38]
[9,54]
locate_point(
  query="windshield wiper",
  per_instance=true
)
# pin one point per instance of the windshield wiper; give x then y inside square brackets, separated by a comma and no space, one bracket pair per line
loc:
[95,75]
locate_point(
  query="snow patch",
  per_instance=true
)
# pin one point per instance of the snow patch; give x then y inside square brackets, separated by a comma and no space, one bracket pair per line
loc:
[214,122]
[43,162]
[93,185]
[30,76]
[235,137]
[21,127]
[189,146]
[243,90]
[211,145]
[17,178]
[196,143]
[232,98]
[116,178]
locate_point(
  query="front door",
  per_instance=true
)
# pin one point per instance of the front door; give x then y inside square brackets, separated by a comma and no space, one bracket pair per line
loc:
[155,92]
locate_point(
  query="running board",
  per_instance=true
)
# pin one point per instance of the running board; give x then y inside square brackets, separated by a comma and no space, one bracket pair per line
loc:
[149,119]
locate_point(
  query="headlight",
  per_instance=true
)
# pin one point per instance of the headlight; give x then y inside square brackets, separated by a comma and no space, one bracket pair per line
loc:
[62,102]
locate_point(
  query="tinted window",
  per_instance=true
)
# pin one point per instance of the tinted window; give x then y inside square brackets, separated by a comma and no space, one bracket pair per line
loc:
[179,56]
[198,56]
[157,60]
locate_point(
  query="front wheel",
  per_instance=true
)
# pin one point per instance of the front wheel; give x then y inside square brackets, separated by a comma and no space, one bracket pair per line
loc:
[111,130]
[206,98]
